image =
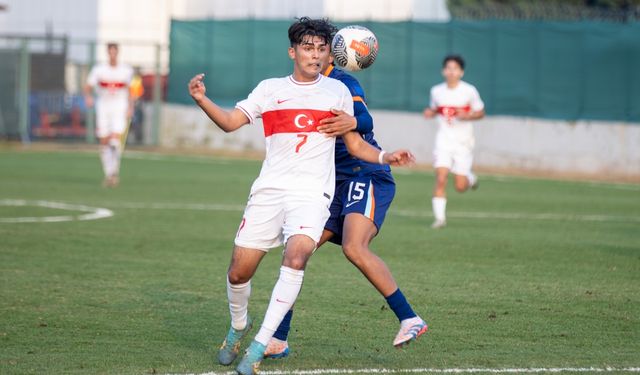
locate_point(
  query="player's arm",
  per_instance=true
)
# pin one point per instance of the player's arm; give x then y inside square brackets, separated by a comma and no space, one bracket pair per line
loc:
[470,115]
[431,111]
[477,108]
[342,122]
[88,93]
[228,121]
[364,151]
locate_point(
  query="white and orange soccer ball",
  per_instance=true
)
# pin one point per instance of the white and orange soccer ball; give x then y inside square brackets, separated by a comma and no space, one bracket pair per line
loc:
[354,48]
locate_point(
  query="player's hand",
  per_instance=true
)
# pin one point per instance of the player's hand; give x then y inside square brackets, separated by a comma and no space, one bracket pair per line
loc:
[399,157]
[429,113]
[129,112]
[88,101]
[197,89]
[340,124]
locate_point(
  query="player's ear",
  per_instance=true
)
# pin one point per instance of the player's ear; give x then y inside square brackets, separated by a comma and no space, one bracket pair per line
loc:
[330,58]
[292,53]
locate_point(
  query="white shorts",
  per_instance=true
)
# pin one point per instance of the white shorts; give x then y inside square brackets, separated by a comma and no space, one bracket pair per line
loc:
[458,160]
[272,217]
[110,119]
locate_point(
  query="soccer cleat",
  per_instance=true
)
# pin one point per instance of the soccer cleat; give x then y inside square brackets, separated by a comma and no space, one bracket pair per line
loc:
[252,357]
[410,330]
[276,349]
[473,181]
[439,224]
[231,345]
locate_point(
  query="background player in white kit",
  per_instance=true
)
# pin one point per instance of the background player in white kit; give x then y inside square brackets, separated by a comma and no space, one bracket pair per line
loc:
[289,201]
[114,107]
[456,104]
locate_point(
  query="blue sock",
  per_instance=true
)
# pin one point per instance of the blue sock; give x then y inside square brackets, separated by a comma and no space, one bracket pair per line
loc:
[283,329]
[398,303]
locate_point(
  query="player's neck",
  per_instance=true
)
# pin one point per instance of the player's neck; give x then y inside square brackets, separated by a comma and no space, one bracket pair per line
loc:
[453,84]
[298,77]
[113,62]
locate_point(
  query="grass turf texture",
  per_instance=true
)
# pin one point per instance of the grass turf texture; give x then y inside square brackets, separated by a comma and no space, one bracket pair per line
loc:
[144,291]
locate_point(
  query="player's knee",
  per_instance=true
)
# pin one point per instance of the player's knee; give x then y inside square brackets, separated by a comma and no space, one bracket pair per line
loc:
[461,187]
[354,251]
[297,262]
[237,277]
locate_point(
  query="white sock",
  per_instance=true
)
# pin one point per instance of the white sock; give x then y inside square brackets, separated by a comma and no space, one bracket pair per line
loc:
[472,178]
[282,299]
[116,153]
[105,158]
[238,296]
[439,207]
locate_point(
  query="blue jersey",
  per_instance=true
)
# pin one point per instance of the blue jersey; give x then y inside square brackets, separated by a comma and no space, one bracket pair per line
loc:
[348,166]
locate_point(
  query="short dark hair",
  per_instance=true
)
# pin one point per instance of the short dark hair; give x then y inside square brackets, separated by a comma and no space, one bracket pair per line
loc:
[457,58]
[306,26]
[112,45]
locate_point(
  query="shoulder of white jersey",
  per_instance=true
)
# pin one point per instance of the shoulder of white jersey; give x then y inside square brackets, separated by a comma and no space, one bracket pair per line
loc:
[467,86]
[439,86]
[335,86]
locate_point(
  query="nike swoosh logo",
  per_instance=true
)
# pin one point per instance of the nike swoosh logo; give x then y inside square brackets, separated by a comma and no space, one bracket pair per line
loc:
[352,203]
[281,301]
[303,227]
[284,100]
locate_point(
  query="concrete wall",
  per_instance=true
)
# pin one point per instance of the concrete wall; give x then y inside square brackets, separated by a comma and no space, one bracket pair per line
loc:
[584,148]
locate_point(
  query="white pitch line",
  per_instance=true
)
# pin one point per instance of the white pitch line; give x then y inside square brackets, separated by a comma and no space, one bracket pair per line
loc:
[92,213]
[406,213]
[524,370]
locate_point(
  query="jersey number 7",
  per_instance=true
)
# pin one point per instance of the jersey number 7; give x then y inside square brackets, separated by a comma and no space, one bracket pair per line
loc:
[302,142]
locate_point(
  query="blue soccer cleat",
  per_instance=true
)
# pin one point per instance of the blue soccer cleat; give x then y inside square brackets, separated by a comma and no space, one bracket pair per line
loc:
[252,358]
[231,346]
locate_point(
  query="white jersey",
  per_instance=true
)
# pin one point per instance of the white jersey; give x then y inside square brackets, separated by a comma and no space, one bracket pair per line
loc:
[447,102]
[298,157]
[111,84]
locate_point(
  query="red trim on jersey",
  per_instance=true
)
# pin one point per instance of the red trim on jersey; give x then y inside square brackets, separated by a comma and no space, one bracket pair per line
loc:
[112,85]
[449,111]
[293,121]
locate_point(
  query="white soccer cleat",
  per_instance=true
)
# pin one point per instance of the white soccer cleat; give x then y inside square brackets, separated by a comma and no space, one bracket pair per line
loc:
[439,224]
[410,330]
[276,349]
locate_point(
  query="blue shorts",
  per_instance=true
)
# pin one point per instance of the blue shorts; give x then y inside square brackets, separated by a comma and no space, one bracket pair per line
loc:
[369,195]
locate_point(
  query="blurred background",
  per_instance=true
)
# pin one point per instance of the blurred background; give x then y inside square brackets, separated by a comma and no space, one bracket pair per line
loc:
[559,78]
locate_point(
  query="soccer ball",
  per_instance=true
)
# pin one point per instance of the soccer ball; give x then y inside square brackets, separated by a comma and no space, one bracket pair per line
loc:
[354,48]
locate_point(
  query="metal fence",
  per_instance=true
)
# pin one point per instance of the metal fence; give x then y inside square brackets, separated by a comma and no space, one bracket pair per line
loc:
[42,80]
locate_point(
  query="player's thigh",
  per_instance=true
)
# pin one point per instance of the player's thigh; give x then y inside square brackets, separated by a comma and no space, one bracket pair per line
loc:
[442,157]
[262,222]
[119,122]
[244,263]
[103,122]
[333,226]
[462,162]
[358,231]
[305,216]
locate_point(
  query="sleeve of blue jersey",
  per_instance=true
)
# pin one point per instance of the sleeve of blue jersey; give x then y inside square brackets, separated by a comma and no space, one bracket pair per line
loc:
[360,111]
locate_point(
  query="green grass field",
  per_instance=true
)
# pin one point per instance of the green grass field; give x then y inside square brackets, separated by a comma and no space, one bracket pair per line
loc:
[529,273]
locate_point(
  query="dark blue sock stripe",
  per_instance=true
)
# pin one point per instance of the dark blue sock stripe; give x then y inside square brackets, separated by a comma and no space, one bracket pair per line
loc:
[398,303]
[283,329]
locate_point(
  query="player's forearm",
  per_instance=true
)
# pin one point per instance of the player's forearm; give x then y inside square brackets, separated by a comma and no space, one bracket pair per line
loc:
[219,116]
[362,150]
[364,121]
[475,115]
